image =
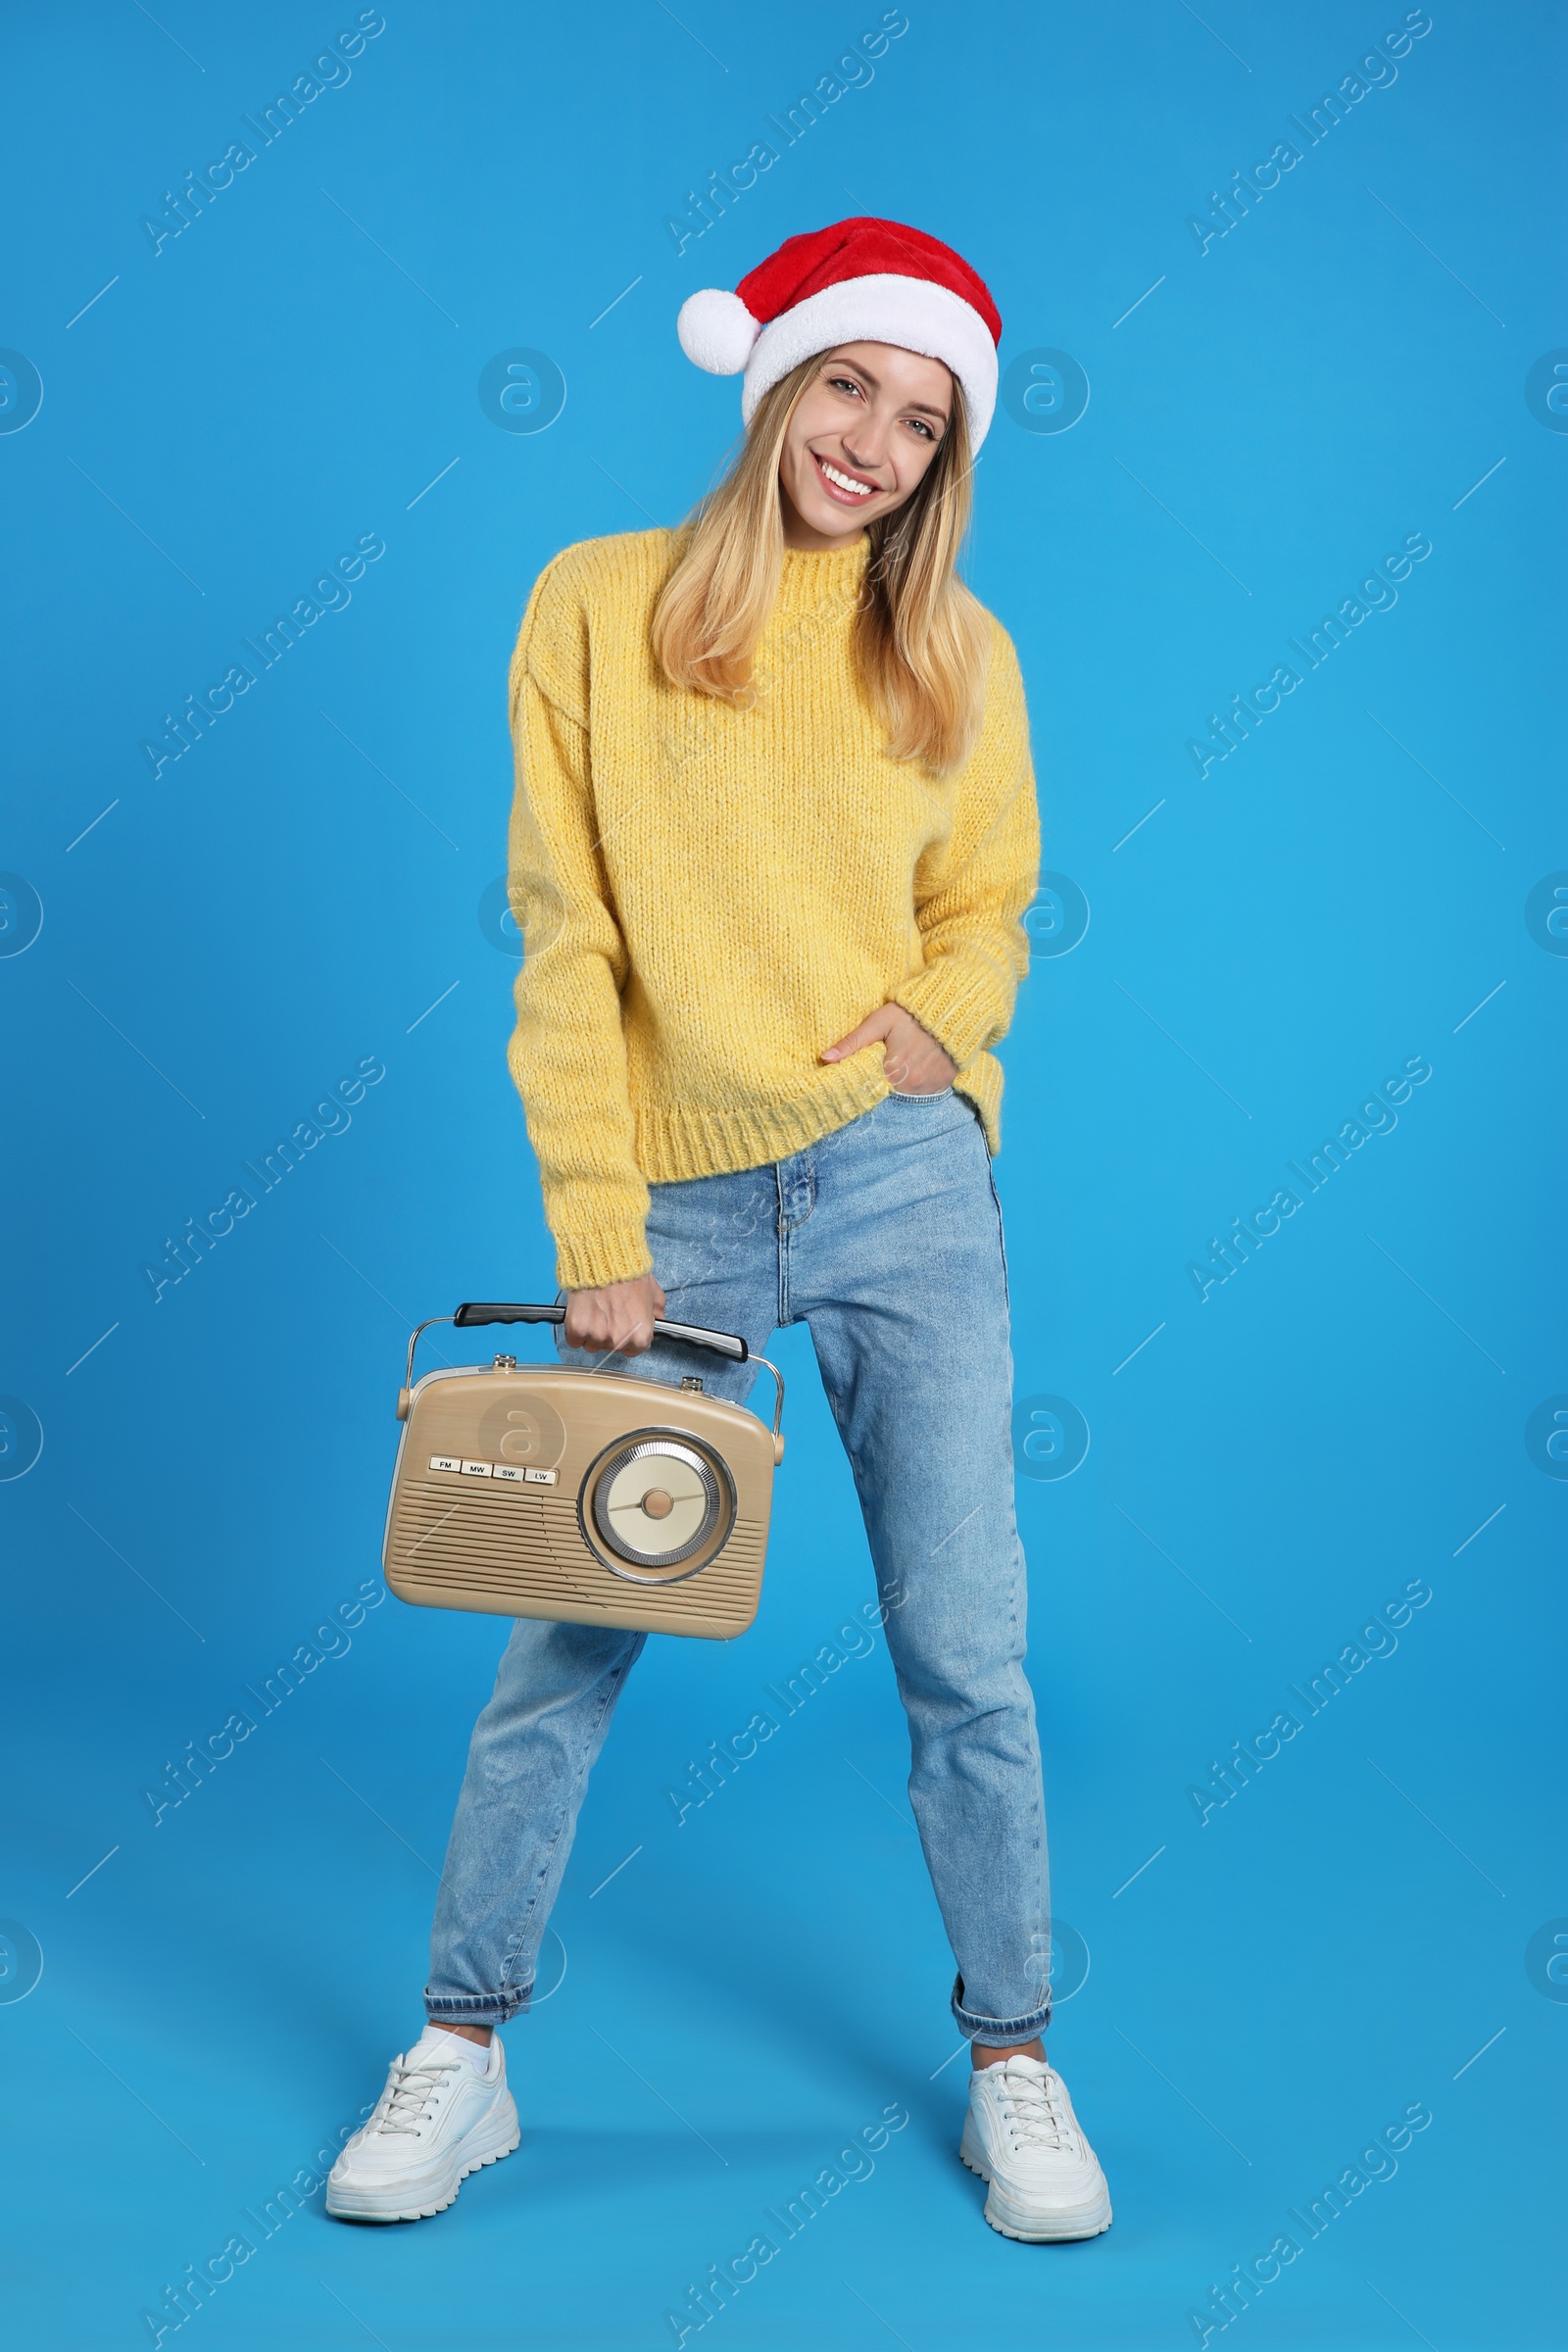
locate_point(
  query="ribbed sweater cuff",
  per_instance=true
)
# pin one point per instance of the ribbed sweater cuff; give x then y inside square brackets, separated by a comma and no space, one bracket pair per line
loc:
[955,1000]
[614,1249]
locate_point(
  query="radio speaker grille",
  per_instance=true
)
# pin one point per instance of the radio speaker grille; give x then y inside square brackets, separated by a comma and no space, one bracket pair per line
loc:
[522,1553]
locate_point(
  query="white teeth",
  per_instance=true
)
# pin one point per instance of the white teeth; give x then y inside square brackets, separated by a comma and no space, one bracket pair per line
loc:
[842,481]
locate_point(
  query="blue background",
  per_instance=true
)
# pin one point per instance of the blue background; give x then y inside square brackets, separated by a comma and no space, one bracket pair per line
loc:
[303,889]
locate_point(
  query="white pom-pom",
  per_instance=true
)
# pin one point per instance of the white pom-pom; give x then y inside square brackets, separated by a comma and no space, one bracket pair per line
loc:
[716,330]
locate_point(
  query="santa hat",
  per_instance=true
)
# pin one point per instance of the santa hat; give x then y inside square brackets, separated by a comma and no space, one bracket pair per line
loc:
[860,282]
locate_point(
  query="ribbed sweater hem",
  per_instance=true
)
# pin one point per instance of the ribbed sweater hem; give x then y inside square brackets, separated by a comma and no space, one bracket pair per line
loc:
[675,1141]
[674,1145]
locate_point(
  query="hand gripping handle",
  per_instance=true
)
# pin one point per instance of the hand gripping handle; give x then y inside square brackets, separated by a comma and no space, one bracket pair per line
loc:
[721,1342]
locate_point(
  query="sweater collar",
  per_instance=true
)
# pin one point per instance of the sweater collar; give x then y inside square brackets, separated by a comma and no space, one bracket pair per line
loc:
[831,578]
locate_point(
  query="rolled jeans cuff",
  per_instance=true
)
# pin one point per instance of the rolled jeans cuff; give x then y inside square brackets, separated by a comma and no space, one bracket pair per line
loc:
[477,2009]
[999,2033]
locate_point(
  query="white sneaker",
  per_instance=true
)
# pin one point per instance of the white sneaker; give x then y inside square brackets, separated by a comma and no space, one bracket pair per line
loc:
[439,2119]
[1022,2136]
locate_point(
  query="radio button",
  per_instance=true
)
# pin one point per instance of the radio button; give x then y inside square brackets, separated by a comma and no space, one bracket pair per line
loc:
[476,1469]
[445,1461]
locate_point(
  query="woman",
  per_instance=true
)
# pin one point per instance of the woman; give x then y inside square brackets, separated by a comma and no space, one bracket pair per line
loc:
[773,835]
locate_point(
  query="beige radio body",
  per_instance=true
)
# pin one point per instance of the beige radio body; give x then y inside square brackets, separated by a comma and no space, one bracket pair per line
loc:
[543,1491]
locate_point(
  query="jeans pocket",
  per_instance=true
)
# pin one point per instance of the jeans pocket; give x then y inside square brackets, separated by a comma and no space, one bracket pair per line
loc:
[898,1095]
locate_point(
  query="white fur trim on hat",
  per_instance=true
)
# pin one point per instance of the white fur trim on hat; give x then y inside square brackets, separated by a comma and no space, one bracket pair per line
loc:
[912,312]
[716,330]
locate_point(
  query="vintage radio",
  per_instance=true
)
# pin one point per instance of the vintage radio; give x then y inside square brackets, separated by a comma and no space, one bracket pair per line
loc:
[545,1491]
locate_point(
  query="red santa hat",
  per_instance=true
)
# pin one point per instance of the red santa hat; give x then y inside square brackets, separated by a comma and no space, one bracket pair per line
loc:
[860,282]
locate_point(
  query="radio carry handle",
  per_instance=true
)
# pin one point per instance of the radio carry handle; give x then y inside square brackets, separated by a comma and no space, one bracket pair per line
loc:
[476,1312]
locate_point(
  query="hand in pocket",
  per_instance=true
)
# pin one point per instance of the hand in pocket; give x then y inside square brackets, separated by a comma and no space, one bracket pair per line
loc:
[912,1062]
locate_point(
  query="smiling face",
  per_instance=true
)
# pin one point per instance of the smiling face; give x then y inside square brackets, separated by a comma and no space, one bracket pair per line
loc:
[861,437]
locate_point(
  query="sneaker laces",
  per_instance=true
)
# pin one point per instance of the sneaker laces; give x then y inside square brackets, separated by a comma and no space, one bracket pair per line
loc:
[409,2091]
[1031,2110]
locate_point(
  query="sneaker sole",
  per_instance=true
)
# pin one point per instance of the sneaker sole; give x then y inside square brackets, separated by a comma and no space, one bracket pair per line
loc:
[365,2205]
[1059,2229]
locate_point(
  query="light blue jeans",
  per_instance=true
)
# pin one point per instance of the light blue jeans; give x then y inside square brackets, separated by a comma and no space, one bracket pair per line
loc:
[885,1238]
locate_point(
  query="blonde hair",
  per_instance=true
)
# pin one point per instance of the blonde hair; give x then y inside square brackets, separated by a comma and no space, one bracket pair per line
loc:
[919,636]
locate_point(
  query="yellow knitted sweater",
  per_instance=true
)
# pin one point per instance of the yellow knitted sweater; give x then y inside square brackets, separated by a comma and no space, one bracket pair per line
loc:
[709,897]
